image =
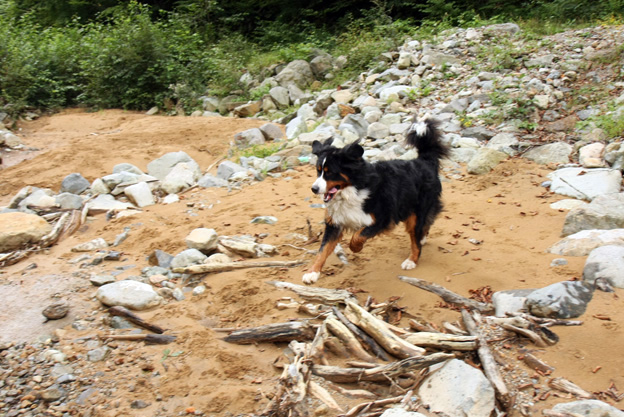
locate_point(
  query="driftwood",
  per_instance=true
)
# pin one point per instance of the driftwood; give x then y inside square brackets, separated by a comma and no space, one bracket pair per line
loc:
[383,373]
[316,349]
[344,334]
[442,341]
[420,327]
[323,295]
[447,295]
[231,266]
[323,395]
[537,364]
[546,321]
[152,339]
[354,393]
[279,332]
[364,407]
[124,312]
[362,336]
[563,385]
[490,367]
[378,330]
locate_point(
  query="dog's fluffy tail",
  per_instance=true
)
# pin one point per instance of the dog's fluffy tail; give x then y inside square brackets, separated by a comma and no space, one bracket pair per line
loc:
[426,138]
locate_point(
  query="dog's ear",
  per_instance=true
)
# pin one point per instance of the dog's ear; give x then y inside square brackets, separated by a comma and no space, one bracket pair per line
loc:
[316,147]
[354,151]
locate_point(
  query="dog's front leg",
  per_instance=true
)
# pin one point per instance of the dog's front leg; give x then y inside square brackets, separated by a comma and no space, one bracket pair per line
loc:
[357,241]
[331,237]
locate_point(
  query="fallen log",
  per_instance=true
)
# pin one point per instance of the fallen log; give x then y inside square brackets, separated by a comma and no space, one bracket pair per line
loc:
[278,332]
[364,338]
[130,316]
[322,295]
[442,341]
[150,339]
[537,364]
[490,367]
[231,266]
[382,373]
[378,330]
[563,385]
[344,334]
[447,295]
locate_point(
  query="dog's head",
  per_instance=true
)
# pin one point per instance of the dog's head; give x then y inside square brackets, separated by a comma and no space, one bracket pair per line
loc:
[335,168]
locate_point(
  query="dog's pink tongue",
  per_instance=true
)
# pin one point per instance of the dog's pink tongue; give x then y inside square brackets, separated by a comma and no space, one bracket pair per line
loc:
[330,193]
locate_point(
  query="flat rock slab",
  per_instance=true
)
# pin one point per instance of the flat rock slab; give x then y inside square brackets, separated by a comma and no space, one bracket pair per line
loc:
[19,229]
[582,243]
[584,183]
[130,294]
[604,212]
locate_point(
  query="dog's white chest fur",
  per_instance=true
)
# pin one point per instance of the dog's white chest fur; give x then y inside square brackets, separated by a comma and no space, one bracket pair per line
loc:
[347,209]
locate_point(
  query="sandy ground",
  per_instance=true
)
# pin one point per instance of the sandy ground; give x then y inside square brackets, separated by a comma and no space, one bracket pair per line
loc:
[506,209]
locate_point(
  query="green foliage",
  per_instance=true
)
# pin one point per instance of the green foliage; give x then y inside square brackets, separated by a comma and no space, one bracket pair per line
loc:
[260,151]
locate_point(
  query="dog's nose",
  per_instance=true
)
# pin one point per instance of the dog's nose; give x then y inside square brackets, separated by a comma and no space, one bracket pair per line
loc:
[315,189]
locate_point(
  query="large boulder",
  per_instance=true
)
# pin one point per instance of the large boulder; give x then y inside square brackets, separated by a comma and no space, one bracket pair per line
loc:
[19,229]
[604,212]
[606,262]
[297,72]
[585,184]
[561,300]
[552,153]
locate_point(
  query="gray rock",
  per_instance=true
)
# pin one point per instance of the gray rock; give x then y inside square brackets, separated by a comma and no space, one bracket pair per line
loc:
[561,300]
[69,201]
[378,130]
[130,294]
[485,160]
[504,142]
[20,229]
[437,59]
[458,389]
[227,168]
[160,167]
[178,294]
[272,132]
[123,177]
[614,155]
[552,153]
[20,196]
[188,257]
[99,187]
[182,176]
[209,181]
[203,239]
[356,124]
[98,354]
[126,167]
[161,258]
[462,155]
[321,65]
[590,156]
[39,197]
[588,408]
[606,262]
[478,132]
[399,412]
[583,242]
[95,244]
[604,212]
[567,204]
[585,183]
[105,202]
[10,140]
[280,96]
[264,220]
[319,134]
[295,127]
[99,280]
[297,72]
[140,194]
[74,183]
[249,137]
[52,393]
[509,301]
[248,109]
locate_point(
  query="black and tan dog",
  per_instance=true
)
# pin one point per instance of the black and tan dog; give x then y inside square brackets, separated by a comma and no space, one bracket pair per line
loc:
[369,199]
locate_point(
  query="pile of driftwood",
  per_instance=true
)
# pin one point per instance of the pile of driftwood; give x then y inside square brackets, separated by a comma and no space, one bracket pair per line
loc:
[386,362]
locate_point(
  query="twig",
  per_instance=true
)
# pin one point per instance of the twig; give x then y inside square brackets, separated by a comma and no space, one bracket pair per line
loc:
[447,295]
[231,266]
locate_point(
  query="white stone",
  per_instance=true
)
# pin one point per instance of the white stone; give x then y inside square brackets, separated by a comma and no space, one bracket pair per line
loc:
[585,183]
[202,239]
[130,294]
[140,194]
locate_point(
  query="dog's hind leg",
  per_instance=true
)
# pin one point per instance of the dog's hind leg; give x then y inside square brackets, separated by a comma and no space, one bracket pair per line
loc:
[416,243]
[331,237]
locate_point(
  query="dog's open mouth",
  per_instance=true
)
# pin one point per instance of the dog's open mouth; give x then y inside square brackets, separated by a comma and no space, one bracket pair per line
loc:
[331,193]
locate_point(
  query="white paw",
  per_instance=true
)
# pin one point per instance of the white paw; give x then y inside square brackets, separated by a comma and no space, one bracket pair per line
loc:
[423,241]
[408,264]
[310,277]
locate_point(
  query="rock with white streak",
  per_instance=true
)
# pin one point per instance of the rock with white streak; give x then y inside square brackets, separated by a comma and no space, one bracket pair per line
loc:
[605,262]
[561,300]
[583,242]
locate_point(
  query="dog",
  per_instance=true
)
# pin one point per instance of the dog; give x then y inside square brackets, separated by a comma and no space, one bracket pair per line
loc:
[369,199]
